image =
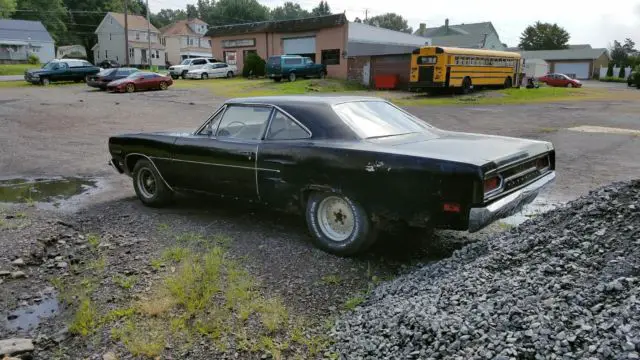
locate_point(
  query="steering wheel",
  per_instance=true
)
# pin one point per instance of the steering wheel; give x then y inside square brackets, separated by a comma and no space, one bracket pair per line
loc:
[273,134]
[225,132]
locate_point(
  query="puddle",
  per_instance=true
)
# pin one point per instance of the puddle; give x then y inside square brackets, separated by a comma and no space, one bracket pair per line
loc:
[30,316]
[43,190]
[537,207]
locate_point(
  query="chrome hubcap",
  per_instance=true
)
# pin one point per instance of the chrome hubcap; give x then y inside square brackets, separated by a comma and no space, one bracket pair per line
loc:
[336,218]
[146,183]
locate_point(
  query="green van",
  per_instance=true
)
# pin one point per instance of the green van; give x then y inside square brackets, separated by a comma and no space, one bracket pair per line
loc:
[292,67]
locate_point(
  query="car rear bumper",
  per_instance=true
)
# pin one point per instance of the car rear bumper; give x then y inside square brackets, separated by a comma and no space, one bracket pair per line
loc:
[508,205]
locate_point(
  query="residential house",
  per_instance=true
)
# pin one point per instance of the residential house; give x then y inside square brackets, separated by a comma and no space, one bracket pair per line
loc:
[185,39]
[481,35]
[349,50]
[111,44]
[580,62]
[20,38]
[63,51]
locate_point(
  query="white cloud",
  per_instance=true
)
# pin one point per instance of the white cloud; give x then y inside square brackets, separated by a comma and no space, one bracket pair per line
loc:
[588,23]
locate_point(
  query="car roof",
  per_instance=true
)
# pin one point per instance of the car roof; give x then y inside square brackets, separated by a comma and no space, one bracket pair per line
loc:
[316,99]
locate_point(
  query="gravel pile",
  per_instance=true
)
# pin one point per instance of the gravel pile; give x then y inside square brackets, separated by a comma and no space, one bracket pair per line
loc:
[563,285]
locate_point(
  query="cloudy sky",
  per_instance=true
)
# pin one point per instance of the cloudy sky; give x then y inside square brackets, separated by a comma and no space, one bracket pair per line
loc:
[597,24]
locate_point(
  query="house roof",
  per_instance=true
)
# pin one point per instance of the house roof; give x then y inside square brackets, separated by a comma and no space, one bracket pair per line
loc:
[364,33]
[145,45]
[461,35]
[134,22]
[572,47]
[181,27]
[566,54]
[296,25]
[66,47]
[24,30]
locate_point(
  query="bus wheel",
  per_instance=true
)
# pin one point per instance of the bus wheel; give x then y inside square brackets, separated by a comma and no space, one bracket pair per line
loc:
[467,87]
[508,83]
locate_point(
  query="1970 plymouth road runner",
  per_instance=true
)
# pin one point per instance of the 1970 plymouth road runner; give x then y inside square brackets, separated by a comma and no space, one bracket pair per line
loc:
[353,165]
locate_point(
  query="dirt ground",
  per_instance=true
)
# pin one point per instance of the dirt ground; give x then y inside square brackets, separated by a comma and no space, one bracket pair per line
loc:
[63,131]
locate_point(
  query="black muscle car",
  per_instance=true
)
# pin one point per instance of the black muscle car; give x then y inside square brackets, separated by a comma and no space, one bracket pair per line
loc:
[352,165]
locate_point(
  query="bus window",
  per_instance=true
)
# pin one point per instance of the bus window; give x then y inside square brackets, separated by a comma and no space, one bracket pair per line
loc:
[426,60]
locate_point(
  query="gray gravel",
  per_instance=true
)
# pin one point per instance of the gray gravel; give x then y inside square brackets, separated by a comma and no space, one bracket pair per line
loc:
[563,285]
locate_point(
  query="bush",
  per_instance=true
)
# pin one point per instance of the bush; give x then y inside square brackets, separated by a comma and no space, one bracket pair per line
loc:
[610,70]
[623,73]
[613,79]
[254,65]
[636,79]
[33,59]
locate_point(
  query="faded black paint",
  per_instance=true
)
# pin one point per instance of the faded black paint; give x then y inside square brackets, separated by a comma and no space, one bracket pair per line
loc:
[406,178]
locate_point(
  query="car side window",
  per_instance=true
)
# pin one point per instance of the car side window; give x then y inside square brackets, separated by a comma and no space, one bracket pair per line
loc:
[244,122]
[284,128]
[212,125]
[199,62]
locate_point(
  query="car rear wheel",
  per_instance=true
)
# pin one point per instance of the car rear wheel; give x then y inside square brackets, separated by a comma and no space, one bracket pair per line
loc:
[163,85]
[508,83]
[184,75]
[570,85]
[230,74]
[45,81]
[467,86]
[130,88]
[322,75]
[149,186]
[204,76]
[277,79]
[292,77]
[338,224]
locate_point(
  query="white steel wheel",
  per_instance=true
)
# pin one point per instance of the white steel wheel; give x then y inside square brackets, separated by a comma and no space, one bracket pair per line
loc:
[336,218]
[205,76]
[147,183]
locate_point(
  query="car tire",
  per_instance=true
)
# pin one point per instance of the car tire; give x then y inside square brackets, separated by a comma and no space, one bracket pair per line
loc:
[45,81]
[467,86]
[508,83]
[163,85]
[350,232]
[130,88]
[204,76]
[149,186]
[292,76]
[184,75]
[570,85]
[277,79]
[323,75]
[230,74]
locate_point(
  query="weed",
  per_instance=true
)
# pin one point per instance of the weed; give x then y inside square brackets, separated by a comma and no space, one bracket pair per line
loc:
[117,314]
[273,314]
[3,223]
[163,227]
[156,306]
[85,320]
[353,302]
[175,254]
[21,215]
[332,279]
[273,347]
[548,130]
[156,264]
[125,282]
[93,240]
[143,338]
[505,226]
[190,238]
[99,264]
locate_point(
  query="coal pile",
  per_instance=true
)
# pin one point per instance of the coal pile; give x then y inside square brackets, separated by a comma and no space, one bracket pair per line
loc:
[565,285]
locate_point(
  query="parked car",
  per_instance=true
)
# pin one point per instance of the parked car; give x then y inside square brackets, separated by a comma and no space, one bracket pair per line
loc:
[104,77]
[214,70]
[108,64]
[560,80]
[61,70]
[352,165]
[187,65]
[293,66]
[140,80]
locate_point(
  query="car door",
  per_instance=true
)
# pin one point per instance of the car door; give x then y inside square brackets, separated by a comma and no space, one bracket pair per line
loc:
[309,67]
[62,73]
[223,161]
[221,70]
[198,64]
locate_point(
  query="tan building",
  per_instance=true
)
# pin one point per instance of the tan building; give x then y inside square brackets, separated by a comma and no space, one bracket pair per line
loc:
[579,62]
[349,50]
[186,39]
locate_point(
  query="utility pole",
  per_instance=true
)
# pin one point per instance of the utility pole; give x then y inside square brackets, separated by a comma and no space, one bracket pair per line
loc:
[366,13]
[149,35]
[126,34]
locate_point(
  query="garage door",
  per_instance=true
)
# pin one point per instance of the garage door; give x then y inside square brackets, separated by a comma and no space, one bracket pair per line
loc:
[580,70]
[392,65]
[298,46]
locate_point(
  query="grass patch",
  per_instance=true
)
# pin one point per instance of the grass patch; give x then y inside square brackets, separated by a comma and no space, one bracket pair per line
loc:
[17,69]
[240,87]
[125,282]
[93,240]
[156,264]
[332,279]
[86,319]
[353,302]
[176,254]
[613,79]
[507,97]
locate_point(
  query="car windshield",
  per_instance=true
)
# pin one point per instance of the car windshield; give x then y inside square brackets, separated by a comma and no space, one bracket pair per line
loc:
[106,72]
[375,119]
[185,62]
[50,65]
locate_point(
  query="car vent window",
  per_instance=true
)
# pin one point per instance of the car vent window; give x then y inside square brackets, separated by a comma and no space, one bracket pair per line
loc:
[283,128]
[244,122]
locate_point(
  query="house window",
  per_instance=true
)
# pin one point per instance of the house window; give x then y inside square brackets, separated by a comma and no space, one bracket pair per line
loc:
[131,50]
[137,35]
[331,57]
[157,54]
[106,54]
[209,43]
[109,36]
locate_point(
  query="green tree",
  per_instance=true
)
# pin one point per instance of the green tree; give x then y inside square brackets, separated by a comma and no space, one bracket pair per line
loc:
[7,8]
[391,21]
[610,70]
[51,13]
[165,17]
[544,36]
[618,54]
[192,11]
[623,73]
[254,65]
[321,9]
[207,11]
[358,20]
[288,11]
[235,11]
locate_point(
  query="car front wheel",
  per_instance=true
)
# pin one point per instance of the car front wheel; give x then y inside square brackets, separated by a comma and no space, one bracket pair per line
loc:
[338,224]
[45,81]
[204,76]
[292,77]
[149,186]
[130,88]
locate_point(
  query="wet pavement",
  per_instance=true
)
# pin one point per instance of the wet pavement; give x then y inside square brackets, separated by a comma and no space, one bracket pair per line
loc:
[28,317]
[52,190]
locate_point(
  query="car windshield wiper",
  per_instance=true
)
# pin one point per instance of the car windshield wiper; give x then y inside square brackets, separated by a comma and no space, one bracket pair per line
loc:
[390,135]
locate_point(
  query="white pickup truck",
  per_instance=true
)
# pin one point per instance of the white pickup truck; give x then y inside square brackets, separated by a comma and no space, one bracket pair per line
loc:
[186,65]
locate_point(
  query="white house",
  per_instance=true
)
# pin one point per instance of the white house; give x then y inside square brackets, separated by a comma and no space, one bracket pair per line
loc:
[20,38]
[70,49]
[111,44]
[185,39]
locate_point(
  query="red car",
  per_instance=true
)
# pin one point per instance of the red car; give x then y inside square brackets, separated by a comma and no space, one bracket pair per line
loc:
[560,80]
[140,81]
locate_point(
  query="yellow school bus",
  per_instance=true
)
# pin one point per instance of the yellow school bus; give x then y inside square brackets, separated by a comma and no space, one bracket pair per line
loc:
[435,67]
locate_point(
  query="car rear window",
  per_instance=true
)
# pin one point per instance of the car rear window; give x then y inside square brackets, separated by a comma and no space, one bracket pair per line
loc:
[293,61]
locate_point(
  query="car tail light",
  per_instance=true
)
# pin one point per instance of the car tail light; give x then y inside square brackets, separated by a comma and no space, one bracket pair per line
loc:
[451,207]
[491,184]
